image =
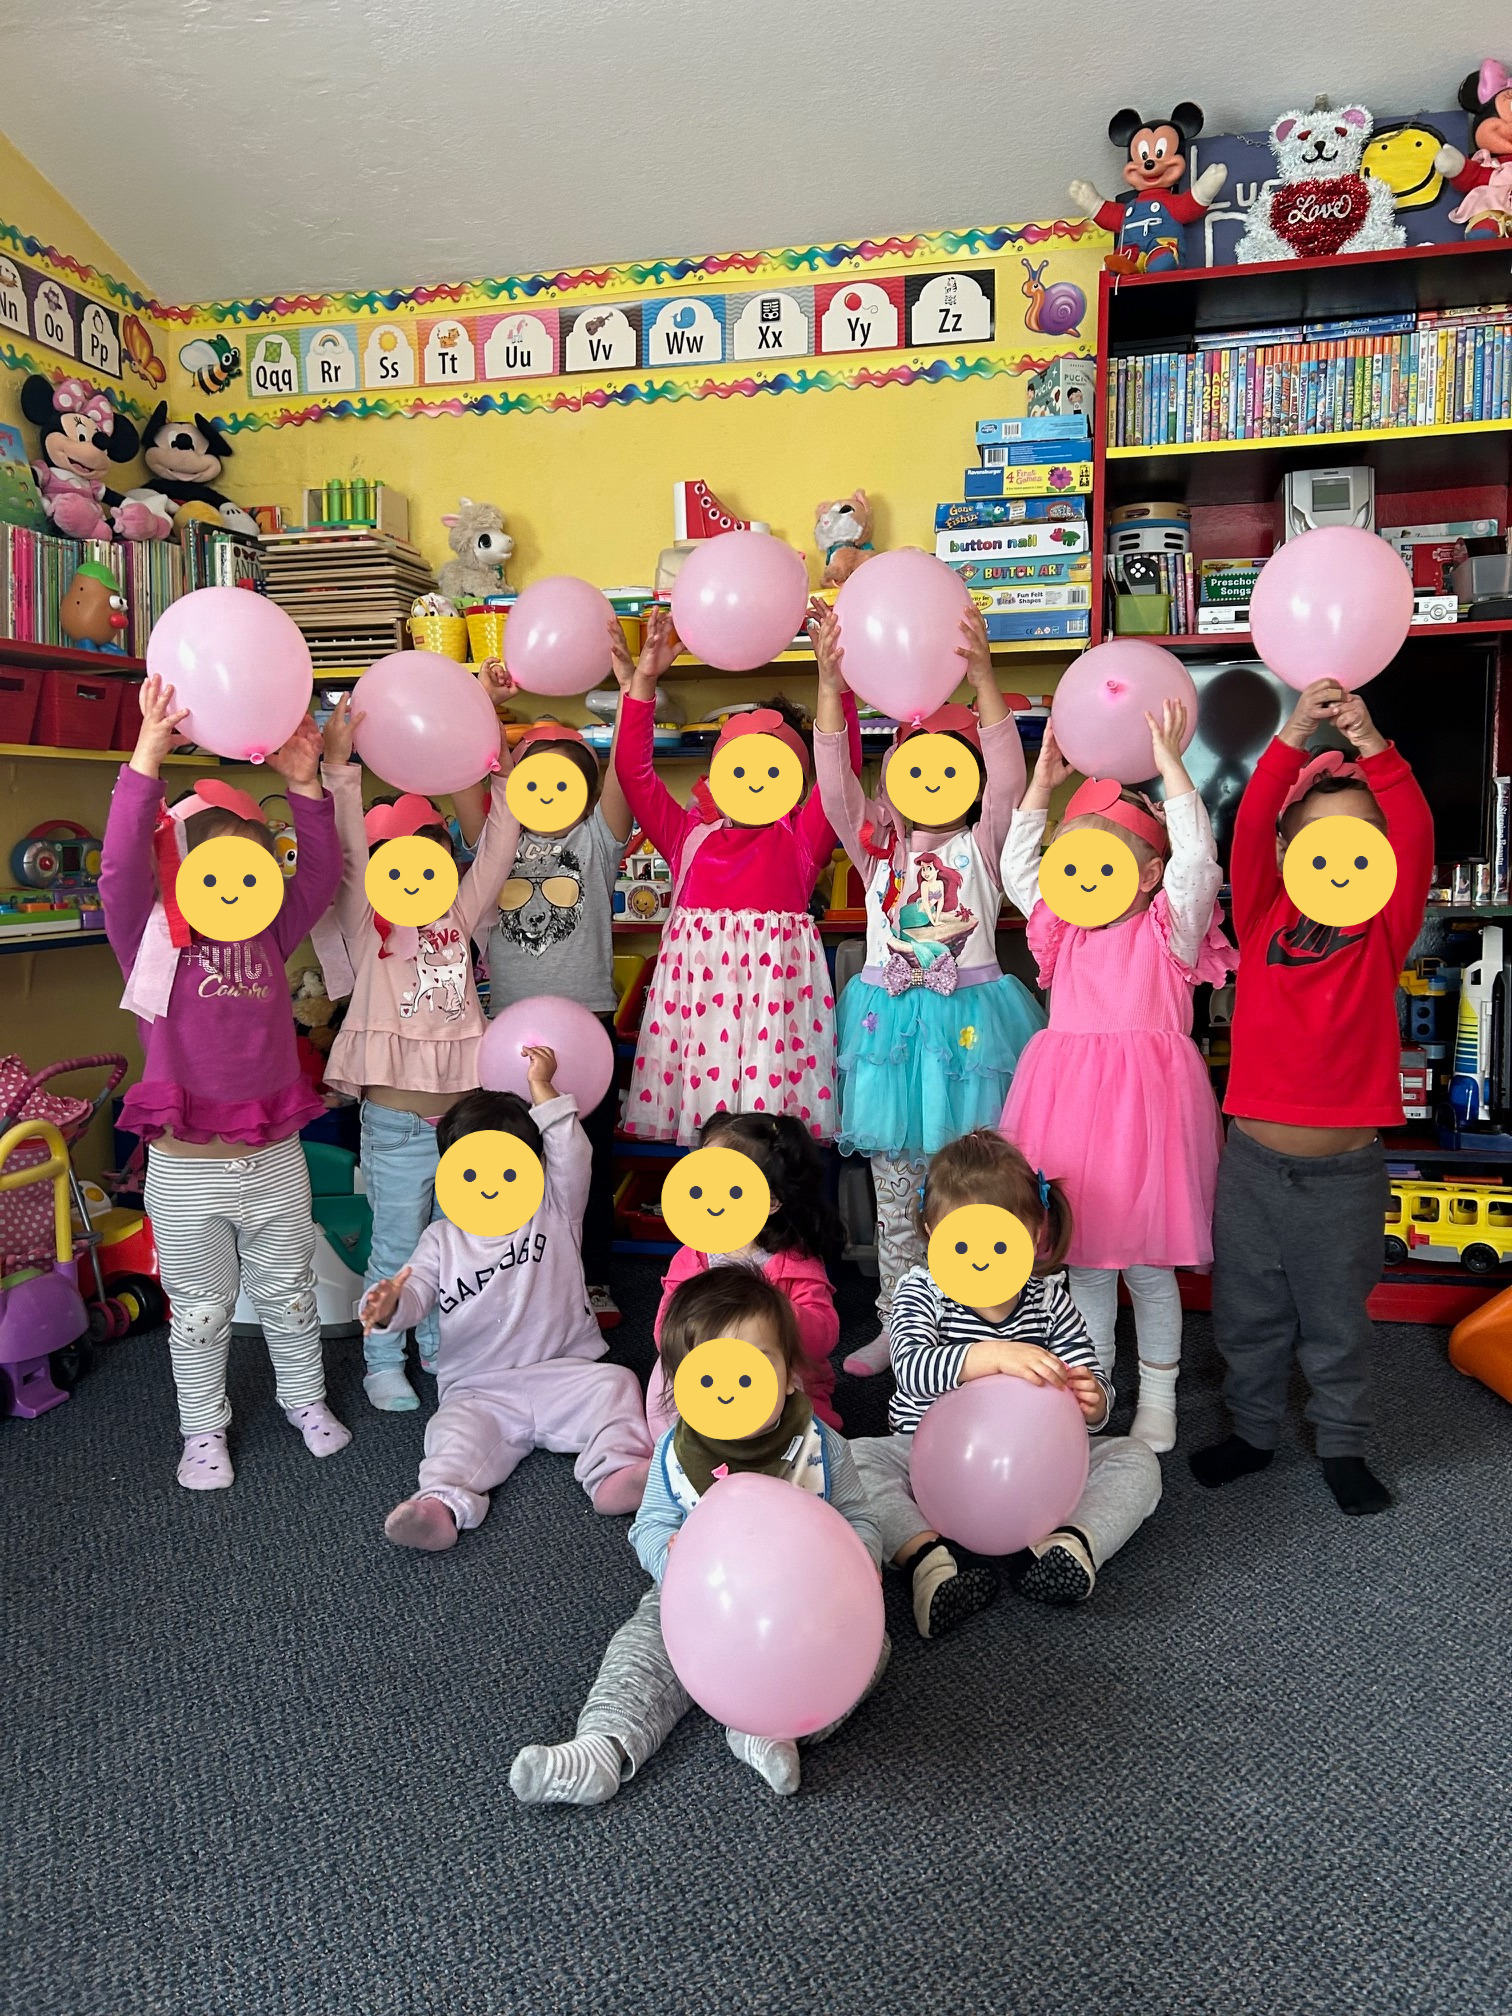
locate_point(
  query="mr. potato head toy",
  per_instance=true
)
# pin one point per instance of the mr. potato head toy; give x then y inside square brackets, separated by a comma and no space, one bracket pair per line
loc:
[1147,225]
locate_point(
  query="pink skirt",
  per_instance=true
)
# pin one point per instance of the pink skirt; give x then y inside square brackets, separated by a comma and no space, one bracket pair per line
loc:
[739,1018]
[1129,1124]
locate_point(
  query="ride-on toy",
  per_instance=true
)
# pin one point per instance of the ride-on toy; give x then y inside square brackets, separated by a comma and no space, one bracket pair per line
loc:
[41,1309]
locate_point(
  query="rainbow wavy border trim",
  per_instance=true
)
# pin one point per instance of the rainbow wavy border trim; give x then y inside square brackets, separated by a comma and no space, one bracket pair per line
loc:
[27,247]
[647,392]
[53,365]
[792,260]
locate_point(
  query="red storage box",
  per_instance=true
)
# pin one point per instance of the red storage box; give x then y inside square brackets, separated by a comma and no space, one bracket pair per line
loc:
[77,711]
[20,690]
[128,721]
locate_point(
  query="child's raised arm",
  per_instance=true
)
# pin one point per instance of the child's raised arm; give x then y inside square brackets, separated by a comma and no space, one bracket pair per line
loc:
[317,875]
[128,889]
[657,812]
[1254,872]
[1192,878]
[1409,821]
[845,805]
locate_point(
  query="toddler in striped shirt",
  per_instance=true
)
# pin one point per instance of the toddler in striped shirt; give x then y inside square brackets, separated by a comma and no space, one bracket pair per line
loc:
[1039,1336]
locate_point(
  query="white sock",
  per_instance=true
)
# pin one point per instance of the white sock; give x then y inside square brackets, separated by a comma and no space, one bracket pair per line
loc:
[1154,1421]
[585,1772]
[770,1757]
[323,1433]
[206,1463]
[873,1357]
[390,1392]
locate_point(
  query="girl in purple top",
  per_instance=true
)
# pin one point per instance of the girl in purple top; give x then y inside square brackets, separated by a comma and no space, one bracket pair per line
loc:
[221,1099]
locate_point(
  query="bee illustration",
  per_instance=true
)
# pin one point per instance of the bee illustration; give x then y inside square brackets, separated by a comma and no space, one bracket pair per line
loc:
[214,361]
[140,355]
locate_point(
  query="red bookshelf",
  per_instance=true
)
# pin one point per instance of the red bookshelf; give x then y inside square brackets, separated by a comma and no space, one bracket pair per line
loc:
[61,658]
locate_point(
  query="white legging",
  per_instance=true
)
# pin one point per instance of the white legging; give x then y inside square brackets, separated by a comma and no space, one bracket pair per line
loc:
[208,1215]
[1157,1310]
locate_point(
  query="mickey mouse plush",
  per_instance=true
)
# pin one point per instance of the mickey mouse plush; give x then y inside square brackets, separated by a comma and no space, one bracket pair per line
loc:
[1148,225]
[186,458]
[1485,180]
[80,435]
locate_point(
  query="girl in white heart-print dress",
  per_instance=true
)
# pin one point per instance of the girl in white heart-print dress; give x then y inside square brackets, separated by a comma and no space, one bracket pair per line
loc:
[740,1012]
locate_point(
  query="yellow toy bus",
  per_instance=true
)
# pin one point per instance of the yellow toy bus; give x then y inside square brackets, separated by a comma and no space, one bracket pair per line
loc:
[1466,1222]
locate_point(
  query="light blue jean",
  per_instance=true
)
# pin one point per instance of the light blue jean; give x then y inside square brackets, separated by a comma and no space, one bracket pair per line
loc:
[399,1167]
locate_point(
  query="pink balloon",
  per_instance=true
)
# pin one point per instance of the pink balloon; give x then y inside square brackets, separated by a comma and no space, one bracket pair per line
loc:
[771,1609]
[1099,708]
[241,667]
[584,1050]
[1335,604]
[739,599]
[900,625]
[430,727]
[557,638]
[997,1463]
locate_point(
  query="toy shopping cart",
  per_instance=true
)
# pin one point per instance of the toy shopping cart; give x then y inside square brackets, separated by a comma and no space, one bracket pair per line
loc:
[41,1309]
[26,1218]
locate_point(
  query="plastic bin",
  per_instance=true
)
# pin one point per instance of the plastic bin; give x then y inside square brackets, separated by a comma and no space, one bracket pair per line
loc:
[20,693]
[77,712]
[128,722]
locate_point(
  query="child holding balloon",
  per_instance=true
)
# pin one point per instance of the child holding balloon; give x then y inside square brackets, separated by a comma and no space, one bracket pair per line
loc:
[1302,1191]
[739,1014]
[221,1098]
[931,1028]
[1114,1098]
[553,933]
[637,1699]
[408,1046]
[941,1341]
[791,1250]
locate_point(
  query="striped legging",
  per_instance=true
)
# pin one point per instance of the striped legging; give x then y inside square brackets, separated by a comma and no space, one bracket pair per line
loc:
[207,1215]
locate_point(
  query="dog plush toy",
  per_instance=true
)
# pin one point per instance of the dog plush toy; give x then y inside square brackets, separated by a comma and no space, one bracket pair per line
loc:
[1148,225]
[1325,204]
[843,527]
[1485,180]
[475,533]
[186,457]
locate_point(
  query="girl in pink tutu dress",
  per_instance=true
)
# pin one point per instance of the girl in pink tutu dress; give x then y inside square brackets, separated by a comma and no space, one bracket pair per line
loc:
[1113,1099]
[740,1012]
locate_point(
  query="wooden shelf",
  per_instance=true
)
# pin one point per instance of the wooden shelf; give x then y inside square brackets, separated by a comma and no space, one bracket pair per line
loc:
[46,754]
[1290,442]
[63,658]
[1225,640]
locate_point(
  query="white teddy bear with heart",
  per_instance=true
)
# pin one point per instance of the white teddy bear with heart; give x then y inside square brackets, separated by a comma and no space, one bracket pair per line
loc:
[1324,205]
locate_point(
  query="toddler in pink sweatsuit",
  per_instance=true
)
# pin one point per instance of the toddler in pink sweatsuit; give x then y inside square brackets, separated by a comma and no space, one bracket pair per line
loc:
[517,1366]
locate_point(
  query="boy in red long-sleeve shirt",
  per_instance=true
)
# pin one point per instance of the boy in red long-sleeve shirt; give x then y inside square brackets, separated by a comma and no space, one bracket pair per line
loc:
[1302,1188]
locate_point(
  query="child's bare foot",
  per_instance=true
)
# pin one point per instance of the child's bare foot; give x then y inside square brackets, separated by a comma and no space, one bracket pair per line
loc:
[622,1490]
[422,1522]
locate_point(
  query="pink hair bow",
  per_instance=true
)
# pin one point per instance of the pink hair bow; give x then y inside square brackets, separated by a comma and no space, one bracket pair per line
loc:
[74,396]
[1493,79]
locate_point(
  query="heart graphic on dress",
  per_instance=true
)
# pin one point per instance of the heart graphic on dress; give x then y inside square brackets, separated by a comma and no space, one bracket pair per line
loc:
[750,1070]
[1315,218]
[714,1073]
[719,1000]
[774,1077]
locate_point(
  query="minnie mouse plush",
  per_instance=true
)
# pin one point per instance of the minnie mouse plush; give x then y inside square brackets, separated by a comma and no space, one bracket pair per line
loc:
[1485,181]
[1148,226]
[81,434]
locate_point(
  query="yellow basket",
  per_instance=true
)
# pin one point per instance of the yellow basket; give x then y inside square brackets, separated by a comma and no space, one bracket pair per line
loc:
[485,633]
[446,635]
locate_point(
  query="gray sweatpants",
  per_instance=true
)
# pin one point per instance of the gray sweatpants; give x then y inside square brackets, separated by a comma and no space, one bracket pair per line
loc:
[1297,1247]
[637,1698]
[900,1243]
[1123,1489]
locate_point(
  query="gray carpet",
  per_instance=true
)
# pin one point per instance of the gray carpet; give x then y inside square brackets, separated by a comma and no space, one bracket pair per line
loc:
[257,1759]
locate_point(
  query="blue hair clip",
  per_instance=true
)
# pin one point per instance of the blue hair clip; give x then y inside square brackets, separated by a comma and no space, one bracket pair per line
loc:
[1044,1188]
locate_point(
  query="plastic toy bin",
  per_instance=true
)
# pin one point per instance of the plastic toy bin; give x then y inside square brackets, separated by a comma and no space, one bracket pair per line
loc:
[20,692]
[128,721]
[77,712]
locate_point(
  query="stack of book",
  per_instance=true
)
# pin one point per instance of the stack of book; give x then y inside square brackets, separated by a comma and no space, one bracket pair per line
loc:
[217,557]
[37,567]
[1440,368]
[349,592]
[1019,538]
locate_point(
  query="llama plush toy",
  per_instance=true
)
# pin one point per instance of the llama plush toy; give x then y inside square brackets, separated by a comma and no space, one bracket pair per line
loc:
[1324,204]
[476,535]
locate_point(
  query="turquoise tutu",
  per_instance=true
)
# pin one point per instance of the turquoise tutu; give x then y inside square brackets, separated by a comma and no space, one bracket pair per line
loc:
[919,1070]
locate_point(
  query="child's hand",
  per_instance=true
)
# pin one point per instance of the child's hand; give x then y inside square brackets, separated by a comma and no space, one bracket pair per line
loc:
[619,655]
[336,736]
[1050,770]
[1018,1361]
[976,650]
[1315,704]
[380,1302]
[540,1072]
[496,682]
[829,653]
[160,719]
[659,647]
[1166,737]
[1352,718]
[1081,1384]
[298,761]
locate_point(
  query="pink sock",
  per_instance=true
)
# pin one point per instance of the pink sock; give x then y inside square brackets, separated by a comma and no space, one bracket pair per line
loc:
[873,1357]
[323,1433]
[621,1490]
[206,1464]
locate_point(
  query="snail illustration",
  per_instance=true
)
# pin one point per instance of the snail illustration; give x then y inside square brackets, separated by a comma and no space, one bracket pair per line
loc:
[1057,310]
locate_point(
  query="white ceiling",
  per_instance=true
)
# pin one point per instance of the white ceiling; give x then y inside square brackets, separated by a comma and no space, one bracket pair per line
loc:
[229,148]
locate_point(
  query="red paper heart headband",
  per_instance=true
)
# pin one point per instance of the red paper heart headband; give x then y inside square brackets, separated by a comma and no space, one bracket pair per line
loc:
[1104,796]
